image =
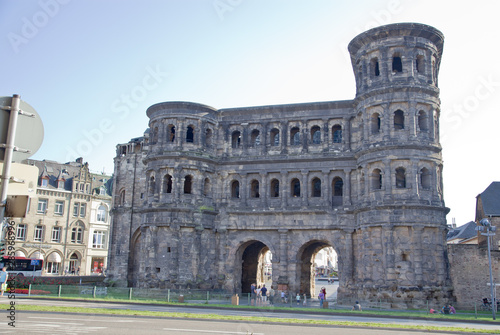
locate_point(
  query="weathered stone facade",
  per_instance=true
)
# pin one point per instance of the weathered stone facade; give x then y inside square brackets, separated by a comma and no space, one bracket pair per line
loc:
[206,192]
[470,273]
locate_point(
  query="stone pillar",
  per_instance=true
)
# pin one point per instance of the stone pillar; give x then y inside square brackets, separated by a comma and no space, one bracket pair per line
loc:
[326,189]
[418,258]
[285,193]
[412,115]
[244,189]
[390,256]
[283,252]
[264,189]
[346,195]
[386,122]
[387,180]
[304,189]
[346,134]
[347,270]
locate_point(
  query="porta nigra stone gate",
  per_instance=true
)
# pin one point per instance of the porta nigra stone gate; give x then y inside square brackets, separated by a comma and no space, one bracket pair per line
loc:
[206,192]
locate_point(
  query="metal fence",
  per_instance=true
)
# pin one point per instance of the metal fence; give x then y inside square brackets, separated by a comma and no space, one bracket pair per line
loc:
[226,298]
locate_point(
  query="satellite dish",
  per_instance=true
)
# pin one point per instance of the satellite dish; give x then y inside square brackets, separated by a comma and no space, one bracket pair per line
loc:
[29,130]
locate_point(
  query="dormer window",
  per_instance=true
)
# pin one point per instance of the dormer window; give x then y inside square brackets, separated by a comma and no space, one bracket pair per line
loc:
[44,182]
[60,184]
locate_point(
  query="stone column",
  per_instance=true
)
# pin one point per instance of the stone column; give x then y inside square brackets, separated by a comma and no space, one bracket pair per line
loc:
[412,114]
[390,256]
[244,189]
[263,189]
[417,258]
[325,141]
[283,253]
[346,134]
[284,191]
[412,178]
[387,179]
[386,122]
[180,134]
[304,189]
[177,184]
[347,270]
[326,189]
[346,195]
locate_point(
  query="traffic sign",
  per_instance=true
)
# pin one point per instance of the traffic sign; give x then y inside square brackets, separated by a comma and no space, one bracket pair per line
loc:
[29,132]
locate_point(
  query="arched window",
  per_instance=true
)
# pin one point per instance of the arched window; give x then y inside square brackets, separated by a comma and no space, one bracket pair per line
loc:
[188,184]
[397,64]
[254,189]
[295,187]
[425,178]
[375,123]
[423,121]
[101,213]
[377,179]
[208,137]
[255,138]
[399,120]
[316,188]
[235,139]
[275,137]
[400,178]
[235,189]
[316,135]
[337,186]
[295,136]
[167,184]
[374,67]
[77,235]
[420,64]
[152,185]
[171,133]
[190,134]
[275,188]
[207,188]
[337,133]
[121,198]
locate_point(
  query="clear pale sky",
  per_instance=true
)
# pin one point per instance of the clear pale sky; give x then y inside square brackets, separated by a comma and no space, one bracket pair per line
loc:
[92,68]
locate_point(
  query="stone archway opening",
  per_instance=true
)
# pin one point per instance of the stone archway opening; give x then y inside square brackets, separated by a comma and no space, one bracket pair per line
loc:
[318,268]
[255,265]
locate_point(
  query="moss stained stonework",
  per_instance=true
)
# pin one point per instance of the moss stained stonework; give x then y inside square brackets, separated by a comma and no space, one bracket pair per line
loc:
[206,192]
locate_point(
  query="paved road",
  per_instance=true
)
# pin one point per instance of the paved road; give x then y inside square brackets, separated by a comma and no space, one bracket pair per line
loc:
[60,323]
[267,313]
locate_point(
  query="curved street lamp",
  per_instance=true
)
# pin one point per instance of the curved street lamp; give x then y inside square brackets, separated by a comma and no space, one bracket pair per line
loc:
[485,225]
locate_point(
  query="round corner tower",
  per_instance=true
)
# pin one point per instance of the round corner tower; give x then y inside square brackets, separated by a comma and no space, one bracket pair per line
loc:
[400,236]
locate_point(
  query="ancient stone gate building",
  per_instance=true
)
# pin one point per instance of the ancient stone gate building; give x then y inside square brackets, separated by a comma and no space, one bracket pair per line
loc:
[205,192]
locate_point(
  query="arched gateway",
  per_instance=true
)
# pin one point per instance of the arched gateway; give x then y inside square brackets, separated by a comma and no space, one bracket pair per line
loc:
[364,176]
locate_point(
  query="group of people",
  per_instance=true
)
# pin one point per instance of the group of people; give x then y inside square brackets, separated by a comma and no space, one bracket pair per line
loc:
[260,295]
[447,309]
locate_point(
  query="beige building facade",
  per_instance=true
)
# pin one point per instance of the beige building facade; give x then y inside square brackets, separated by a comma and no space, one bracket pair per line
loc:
[61,218]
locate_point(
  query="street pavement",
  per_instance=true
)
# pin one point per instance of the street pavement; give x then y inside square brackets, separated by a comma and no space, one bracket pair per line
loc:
[358,317]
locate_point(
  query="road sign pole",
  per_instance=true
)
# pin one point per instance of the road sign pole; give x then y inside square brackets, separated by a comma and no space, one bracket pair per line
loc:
[9,149]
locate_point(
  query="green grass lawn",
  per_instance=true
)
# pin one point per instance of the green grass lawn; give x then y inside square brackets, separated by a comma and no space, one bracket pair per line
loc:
[104,311]
[463,315]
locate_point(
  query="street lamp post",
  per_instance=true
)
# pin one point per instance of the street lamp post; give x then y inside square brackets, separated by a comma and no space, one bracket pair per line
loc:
[489,231]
